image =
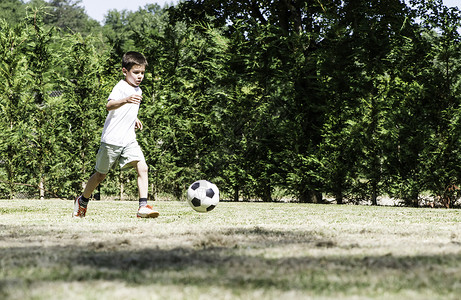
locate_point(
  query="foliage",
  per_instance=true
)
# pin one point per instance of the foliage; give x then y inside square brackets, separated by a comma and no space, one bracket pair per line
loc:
[14,101]
[66,15]
[295,99]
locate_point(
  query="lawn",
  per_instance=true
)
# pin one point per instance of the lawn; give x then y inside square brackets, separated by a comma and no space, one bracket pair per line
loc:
[237,251]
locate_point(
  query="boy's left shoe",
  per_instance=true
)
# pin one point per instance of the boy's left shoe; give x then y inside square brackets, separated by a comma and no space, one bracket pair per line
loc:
[147,212]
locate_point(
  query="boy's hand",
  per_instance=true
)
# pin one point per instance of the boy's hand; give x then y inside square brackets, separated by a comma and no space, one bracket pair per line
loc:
[138,125]
[135,99]
[114,104]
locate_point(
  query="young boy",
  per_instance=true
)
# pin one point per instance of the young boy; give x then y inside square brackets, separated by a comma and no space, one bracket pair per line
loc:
[118,139]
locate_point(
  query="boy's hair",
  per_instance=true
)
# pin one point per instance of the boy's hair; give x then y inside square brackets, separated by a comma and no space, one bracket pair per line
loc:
[132,58]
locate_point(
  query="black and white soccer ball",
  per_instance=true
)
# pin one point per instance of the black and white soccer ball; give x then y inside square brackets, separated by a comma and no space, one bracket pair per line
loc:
[203,196]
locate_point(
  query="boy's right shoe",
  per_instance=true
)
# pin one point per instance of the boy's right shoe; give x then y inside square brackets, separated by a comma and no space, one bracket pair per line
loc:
[79,211]
[147,212]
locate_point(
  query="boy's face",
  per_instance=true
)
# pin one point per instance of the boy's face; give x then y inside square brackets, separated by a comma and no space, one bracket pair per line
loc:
[135,75]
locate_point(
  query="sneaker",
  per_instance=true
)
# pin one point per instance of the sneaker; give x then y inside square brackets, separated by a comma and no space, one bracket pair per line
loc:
[147,212]
[79,211]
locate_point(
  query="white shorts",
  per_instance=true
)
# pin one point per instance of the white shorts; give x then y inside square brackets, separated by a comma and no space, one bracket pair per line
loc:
[108,155]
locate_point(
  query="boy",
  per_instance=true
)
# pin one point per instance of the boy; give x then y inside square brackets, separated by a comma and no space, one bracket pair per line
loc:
[118,139]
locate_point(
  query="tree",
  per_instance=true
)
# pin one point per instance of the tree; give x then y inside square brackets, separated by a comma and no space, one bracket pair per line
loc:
[184,116]
[13,11]
[273,48]
[14,100]
[443,27]
[86,92]
[67,15]
[41,114]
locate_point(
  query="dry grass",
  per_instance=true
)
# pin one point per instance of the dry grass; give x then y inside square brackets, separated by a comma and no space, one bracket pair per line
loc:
[237,251]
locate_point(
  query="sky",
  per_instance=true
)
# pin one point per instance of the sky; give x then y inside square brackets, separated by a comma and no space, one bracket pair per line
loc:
[451,3]
[97,9]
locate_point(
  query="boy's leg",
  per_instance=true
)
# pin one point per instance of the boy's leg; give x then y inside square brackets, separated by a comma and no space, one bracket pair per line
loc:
[144,211]
[81,202]
[143,178]
[93,183]
[106,157]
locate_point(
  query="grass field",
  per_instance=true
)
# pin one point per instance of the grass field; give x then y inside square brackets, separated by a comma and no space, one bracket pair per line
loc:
[237,251]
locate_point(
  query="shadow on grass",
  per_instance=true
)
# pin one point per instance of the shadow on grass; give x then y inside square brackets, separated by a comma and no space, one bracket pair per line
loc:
[233,258]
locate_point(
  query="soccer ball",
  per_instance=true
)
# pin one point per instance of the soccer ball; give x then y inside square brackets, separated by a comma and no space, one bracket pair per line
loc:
[203,196]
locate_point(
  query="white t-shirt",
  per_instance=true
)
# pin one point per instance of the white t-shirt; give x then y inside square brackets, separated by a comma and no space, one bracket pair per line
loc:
[119,126]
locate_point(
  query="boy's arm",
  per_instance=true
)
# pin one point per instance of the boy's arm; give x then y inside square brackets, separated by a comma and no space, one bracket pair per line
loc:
[114,104]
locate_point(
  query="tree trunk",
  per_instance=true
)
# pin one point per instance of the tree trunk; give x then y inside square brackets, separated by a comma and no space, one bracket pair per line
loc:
[374,195]
[41,187]
[267,195]
[339,197]
[122,186]
[236,194]
[316,197]
[311,197]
